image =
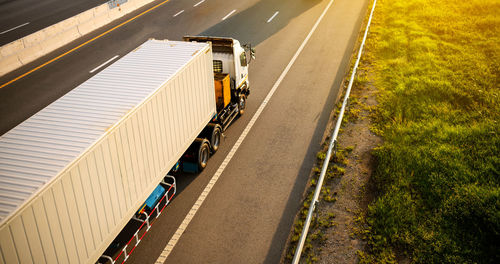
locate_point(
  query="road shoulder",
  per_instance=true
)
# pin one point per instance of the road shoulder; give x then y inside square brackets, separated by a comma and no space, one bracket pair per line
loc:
[336,235]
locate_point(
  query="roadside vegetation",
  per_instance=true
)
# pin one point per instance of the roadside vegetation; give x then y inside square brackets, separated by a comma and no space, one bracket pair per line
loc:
[322,221]
[436,67]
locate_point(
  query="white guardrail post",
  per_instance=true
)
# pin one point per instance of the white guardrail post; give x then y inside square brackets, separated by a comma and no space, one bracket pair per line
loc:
[333,143]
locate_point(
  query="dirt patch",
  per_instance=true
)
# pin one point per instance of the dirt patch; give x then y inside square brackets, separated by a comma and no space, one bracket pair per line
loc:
[352,191]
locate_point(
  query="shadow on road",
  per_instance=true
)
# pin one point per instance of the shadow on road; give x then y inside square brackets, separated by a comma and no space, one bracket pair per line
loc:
[250,25]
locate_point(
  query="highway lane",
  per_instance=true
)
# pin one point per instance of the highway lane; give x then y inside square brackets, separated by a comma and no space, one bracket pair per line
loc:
[248,215]
[19,18]
[255,190]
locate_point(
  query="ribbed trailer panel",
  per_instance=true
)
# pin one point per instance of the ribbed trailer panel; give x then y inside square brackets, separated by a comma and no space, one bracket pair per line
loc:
[73,175]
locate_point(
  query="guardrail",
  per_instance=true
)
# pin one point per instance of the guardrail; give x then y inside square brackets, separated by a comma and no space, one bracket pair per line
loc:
[332,146]
[29,48]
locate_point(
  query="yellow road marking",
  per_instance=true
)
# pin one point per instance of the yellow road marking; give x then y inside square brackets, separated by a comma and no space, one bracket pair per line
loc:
[81,45]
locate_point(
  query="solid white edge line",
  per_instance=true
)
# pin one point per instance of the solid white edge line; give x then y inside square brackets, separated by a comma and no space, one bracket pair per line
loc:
[178,13]
[180,230]
[271,18]
[100,66]
[8,30]
[199,3]
[230,13]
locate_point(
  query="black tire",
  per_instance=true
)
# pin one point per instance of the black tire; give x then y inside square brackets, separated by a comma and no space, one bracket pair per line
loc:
[203,153]
[242,103]
[215,137]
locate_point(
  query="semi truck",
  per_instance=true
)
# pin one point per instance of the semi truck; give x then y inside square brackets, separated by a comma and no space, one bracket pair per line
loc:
[81,171]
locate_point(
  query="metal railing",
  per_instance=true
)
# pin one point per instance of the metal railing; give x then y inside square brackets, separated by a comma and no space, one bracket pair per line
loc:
[331,147]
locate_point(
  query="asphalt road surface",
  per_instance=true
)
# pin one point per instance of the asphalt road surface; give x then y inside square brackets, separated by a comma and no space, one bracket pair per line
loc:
[248,214]
[19,18]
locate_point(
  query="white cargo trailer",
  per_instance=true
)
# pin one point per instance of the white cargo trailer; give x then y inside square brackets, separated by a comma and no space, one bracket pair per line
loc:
[73,174]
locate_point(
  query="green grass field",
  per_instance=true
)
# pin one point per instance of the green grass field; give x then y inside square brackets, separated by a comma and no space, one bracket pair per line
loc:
[436,65]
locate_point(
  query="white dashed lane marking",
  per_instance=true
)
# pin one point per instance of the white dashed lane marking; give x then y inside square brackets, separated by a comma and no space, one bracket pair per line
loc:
[8,30]
[102,65]
[228,15]
[271,18]
[178,13]
[199,3]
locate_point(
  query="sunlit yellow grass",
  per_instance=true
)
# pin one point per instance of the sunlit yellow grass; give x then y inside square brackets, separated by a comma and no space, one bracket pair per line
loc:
[436,65]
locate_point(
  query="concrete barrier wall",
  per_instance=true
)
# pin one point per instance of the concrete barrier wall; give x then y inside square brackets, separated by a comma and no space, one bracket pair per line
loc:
[27,49]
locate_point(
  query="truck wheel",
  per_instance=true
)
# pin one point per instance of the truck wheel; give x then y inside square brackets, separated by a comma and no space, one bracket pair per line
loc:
[203,154]
[215,138]
[242,103]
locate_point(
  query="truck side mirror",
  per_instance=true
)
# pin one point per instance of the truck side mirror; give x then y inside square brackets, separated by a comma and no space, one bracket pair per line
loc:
[252,53]
[248,47]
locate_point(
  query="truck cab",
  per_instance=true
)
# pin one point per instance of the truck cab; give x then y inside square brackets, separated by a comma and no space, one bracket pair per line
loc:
[230,65]
[232,61]
[229,57]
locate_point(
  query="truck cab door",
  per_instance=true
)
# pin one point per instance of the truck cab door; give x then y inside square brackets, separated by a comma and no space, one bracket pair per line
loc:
[242,69]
